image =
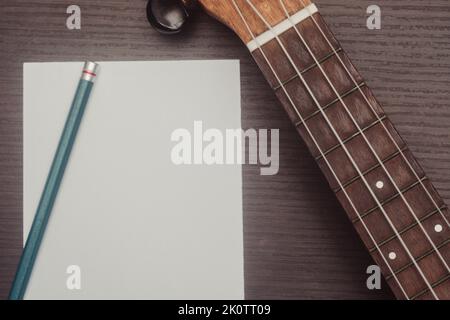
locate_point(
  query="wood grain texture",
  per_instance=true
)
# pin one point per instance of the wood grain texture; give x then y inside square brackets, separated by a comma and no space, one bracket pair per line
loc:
[231,13]
[298,241]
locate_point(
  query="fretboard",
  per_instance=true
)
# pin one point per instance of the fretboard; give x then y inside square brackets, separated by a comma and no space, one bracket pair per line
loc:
[397,212]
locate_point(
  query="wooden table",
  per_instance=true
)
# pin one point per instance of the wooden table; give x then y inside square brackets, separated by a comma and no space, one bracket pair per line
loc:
[298,241]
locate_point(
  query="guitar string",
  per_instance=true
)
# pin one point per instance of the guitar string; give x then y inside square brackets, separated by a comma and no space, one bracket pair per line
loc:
[354,121]
[367,141]
[342,144]
[374,112]
[344,147]
[319,148]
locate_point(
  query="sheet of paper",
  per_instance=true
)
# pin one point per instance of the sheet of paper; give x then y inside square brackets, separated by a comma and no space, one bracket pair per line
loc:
[137,225]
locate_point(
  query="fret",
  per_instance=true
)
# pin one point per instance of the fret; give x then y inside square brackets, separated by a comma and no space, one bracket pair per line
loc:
[428,222]
[399,214]
[327,140]
[319,87]
[279,62]
[362,155]
[372,206]
[398,258]
[440,247]
[440,287]
[312,65]
[376,166]
[296,49]
[317,44]
[417,199]
[412,282]
[352,137]
[332,103]
[380,185]
[434,215]
[395,196]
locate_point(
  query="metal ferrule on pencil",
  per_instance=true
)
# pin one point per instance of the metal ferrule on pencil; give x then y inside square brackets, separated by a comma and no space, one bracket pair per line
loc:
[89,71]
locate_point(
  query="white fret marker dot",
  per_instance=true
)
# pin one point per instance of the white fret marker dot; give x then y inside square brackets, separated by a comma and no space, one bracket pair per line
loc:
[392,255]
[379,184]
[438,228]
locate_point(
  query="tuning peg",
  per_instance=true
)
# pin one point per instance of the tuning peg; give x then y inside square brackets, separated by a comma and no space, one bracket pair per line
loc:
[168,16]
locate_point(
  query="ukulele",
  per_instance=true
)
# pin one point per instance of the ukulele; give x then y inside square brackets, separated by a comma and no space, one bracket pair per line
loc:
[392,204]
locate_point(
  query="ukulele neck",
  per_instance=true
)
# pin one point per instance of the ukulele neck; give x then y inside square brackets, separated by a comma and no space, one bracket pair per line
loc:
[385,193]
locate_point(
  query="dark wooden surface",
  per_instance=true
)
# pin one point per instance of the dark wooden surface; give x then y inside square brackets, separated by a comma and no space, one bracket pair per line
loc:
[298,241]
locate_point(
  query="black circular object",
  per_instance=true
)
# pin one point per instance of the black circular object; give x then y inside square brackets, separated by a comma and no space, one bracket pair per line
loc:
[167,16]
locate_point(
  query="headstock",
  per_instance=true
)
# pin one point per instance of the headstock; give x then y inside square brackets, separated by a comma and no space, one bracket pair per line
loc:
[233,13]
[169,16]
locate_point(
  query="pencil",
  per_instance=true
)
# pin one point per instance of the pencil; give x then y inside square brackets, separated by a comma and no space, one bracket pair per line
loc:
[53,181]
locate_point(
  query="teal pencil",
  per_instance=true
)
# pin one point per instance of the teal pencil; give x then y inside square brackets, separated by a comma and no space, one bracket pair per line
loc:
[53,182]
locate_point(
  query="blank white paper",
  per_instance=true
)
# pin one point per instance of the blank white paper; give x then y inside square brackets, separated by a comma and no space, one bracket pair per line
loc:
[137,225]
